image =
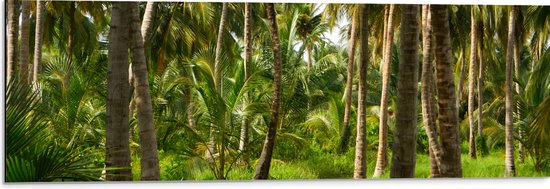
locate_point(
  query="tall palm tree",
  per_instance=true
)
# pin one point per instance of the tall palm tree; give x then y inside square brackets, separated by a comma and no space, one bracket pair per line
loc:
[13,28]
[510,169]
[382,157]
[480,77]
[448,117]
[471,83]
[25,42]
[429,113]
[360,168]
[247,61]
[38,42]
[345,134]
[117,125]
[264,162]
[404,145]
[147,133]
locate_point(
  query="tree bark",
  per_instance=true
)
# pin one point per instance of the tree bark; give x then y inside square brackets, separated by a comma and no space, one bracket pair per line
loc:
[360,168]
[243,140]
[427,94]
[510,169]
[461,76]
[264,162]
[404,143]
[448,117]
[471,85]
[382,159]
[147,134]
[12,35]
[25,42]
[345,133]
[117,128]
[38,43]
[480,82]
[517,64]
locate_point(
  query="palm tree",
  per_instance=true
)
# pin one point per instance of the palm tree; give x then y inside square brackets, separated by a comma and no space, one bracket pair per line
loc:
[404,145]
[25,42]
[38,42]
[382,157]
[148,137]
[448,120]
[360,168]
[471,84]
[345,134]
[264,162]
[510,169]
[428,94]
[13,25]
[117,126]
[247,61]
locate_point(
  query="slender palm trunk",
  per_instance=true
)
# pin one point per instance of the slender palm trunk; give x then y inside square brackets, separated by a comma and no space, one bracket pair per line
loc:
[345,133]
[382,159]
[24,47]
[264,162]
[38,42]
[480,82]
[117,141]
[404,143]
[360,168]
[309,56]
[13,31]
[70,39]
[147,134]
[510,169]
[471,85]
[461,77]
[448,117]
[427,93]
[517,64]
[247,58]
[189,106]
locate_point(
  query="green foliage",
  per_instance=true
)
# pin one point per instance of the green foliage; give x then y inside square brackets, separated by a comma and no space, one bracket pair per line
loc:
[481,146]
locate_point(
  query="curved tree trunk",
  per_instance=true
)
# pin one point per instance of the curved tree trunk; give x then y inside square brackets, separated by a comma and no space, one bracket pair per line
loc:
[360,168]
[345,133]
[25,42]
[510,169]
[471,85]
[427,93]
[243,140]
[264,162]
[12,35]
[38,42]
[382,159]
[117,141]
[147,134]
[404,142]
[448,117]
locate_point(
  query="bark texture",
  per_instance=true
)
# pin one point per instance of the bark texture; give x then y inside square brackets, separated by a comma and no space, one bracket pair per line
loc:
[25,42]
[510,168]
[471,85]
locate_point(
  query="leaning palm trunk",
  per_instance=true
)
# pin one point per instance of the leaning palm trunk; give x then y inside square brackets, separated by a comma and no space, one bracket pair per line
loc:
[147,134]
[117,122]
[345,133]
[404,145]
[360,168]
[510,169]
[471,85]
[13,31]
[382,159]
[428,95]
[243,140]
[264,162]
[461,76]
[38,42]
[447,117]
[24,47]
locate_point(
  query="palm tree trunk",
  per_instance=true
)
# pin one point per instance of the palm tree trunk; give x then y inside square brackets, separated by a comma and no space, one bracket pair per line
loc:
[382,159]
[147,134]
[480,82]
[264,162]
[188,98]
[345,134]
[13,32]
[117,139]
[404,145]
[471,85]
[510,169]
[448,117]
[360,168]
[517,63]
[38,42]
[461,76]
[70,39]
[247,60]
[147,22]
[427,93]
[24,48]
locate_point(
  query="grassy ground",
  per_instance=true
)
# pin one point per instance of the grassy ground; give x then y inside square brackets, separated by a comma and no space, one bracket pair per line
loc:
[329,166]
